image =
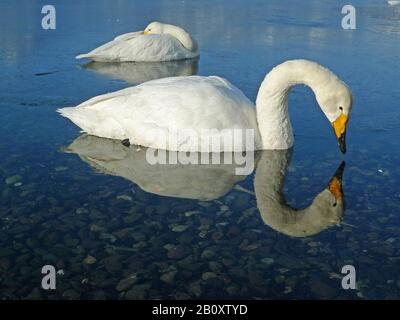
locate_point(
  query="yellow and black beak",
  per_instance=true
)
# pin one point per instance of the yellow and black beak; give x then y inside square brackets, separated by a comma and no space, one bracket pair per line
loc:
[145,32]
[339,127]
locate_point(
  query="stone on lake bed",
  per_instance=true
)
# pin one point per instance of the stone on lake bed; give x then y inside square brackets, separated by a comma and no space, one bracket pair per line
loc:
[224,208]
[208,275]
[251,247]
[268,261]
[313,244]
[125,197]
[126,283]
[81,211]
[108,236]
[168,277]
[195,289]
[90,260]
[96,228]
[13,179]
[215,266]
[179,228]
[168,246]
[208,254]
[192,212]
[61,168]
[138,292]
[176,252]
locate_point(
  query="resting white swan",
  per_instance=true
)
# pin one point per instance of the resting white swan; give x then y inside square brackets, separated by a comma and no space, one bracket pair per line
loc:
[158,42]
[212,181]
[195,113]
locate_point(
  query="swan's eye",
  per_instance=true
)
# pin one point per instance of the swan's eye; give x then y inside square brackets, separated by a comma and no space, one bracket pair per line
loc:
[341,108]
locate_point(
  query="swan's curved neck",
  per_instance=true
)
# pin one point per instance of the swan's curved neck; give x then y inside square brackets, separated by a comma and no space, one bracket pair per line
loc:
[272,99]
[182,36]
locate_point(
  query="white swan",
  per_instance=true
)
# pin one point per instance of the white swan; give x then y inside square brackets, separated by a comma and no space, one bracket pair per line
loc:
[212,181]
[158,42]
[195,113]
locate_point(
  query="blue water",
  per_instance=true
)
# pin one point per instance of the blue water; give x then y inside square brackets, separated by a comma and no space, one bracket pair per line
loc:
[57,209]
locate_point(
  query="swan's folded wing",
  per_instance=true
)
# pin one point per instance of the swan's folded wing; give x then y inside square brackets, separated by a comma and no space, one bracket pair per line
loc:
[182,106]
[107,96]
[128,36]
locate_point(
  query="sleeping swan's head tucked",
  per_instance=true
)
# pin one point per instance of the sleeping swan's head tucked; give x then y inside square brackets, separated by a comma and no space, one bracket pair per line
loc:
[181,35]
[154,27]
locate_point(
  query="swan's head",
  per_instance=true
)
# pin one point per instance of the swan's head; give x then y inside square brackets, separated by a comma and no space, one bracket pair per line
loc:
[154,27]
[335,100]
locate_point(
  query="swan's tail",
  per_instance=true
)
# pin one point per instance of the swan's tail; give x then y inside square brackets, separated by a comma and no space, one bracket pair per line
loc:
[85,55]
[92,122]
[76,116]
[66,112]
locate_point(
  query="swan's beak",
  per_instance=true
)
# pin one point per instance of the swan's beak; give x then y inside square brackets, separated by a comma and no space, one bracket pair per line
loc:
[335,185]
[145,32]
[339,126]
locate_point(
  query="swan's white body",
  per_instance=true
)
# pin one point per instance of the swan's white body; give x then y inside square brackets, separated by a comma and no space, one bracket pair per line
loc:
[186,107]
[153,113]
[172,43]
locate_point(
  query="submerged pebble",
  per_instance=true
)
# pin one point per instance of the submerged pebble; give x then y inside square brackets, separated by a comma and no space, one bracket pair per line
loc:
[126,283]
[90,260]
[13,179]
[208,275]
[179,228]
[168,277]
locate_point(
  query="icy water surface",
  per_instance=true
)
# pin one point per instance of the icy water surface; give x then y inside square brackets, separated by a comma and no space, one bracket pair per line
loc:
[125,230]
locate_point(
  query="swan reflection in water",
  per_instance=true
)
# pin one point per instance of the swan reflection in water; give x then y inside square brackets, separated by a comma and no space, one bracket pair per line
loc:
[212,181]
[139,72]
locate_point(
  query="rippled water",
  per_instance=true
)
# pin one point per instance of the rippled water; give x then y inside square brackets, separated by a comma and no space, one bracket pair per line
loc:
[109,237]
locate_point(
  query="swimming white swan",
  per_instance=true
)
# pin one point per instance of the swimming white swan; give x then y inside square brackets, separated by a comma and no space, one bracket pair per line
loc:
[195,113]
[212,181]
[158,42]
[139,72]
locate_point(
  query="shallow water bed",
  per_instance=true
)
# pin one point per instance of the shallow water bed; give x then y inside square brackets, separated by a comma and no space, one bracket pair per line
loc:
[108,238]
